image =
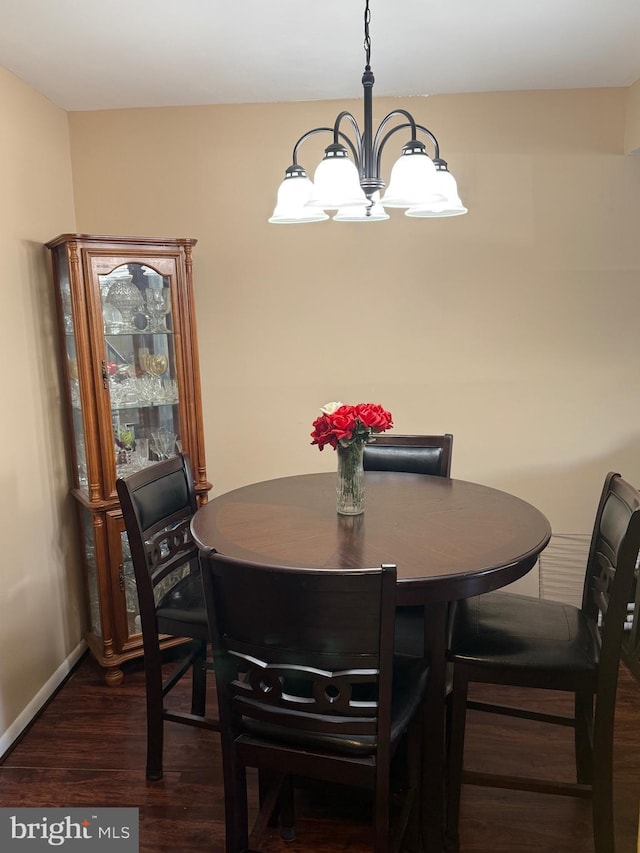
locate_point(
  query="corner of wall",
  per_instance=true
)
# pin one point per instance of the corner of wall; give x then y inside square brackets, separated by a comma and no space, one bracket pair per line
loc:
[632,124]
[9,737]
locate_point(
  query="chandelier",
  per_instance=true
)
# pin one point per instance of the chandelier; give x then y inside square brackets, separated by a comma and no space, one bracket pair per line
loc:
[351,185]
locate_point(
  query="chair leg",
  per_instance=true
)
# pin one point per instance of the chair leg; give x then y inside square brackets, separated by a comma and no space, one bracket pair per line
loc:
[381,808]
[584,737]
[155,716]
[410,832]
[286,810]
[456,718]
[235,805]
[275,796]
[602,790]
[199,682]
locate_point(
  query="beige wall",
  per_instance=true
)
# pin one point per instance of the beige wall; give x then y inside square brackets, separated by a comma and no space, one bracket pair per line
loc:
[40,623]
[514,327]
[632,128]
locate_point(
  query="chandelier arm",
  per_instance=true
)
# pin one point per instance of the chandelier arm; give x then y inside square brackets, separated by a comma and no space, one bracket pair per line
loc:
[436,154]
[385,121]
[336,133]
[380,143]
[357,156]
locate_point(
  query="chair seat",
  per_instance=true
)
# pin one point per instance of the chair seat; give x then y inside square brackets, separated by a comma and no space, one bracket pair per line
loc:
[503,629]
[409,684]
[184,604]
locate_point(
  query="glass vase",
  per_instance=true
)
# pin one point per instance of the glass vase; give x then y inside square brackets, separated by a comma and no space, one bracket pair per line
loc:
[350,484]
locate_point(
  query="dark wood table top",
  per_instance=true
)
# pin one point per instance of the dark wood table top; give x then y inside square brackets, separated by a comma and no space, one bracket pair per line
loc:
[449,538]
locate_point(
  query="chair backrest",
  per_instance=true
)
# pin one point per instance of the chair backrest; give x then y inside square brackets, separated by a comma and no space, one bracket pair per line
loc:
[411,454]
[157,505]
[307,649]
[610,569]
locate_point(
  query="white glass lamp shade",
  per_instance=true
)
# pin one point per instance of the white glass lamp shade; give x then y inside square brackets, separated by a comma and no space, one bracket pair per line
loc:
[336,182]
[293,194]
[446,185]
[412,182]
[372,211]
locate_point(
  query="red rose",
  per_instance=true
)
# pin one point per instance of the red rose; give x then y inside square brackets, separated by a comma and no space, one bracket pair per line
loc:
[322,433]
[349,423]
[343,422]
[374,417]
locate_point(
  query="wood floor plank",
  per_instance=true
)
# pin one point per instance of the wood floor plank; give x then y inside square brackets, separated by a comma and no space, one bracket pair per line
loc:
[88,749]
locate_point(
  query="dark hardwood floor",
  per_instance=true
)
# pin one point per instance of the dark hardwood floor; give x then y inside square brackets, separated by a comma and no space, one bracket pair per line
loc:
[88,749]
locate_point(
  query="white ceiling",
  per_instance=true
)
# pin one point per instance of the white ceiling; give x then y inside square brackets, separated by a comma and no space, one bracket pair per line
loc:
[104,54]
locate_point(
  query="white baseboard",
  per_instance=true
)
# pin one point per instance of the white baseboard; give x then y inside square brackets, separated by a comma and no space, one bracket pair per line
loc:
[46,691]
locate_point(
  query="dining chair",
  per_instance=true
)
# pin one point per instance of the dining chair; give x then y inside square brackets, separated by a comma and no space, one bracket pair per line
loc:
[157,504]
[507,639]
[411,454]
[307,685]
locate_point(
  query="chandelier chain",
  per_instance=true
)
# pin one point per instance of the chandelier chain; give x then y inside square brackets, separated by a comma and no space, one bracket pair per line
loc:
[367,39]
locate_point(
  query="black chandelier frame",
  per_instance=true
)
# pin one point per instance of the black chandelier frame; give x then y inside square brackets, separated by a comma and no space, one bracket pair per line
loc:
[367,149]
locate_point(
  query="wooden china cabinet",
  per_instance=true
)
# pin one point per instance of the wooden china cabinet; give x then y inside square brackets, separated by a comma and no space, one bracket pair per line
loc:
[130,365]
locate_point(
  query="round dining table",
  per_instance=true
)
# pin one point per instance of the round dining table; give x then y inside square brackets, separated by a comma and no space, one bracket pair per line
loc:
[450,539]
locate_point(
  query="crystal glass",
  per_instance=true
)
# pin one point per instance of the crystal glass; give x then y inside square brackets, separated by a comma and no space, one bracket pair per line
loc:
[141,453]
[158,306]
[164,443]
[65,294]
[112,319]
[126,297]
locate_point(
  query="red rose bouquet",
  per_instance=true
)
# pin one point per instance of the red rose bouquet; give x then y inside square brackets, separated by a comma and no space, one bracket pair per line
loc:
[341,425]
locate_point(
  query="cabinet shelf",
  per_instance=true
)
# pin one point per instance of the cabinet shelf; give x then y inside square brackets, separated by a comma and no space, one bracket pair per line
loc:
[162,333]
[130,406]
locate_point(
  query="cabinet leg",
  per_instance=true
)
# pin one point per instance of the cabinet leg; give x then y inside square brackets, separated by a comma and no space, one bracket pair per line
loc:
[113,676]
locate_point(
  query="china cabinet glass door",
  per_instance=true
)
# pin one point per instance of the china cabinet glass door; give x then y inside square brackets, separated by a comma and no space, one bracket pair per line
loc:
[139,365]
